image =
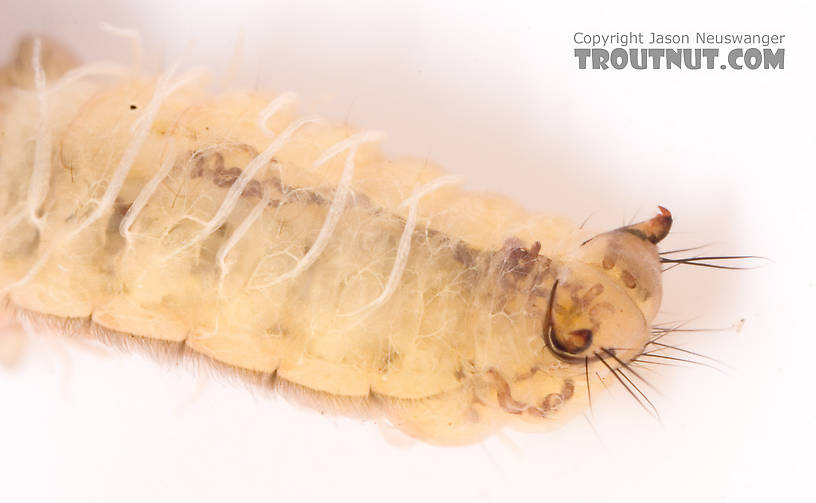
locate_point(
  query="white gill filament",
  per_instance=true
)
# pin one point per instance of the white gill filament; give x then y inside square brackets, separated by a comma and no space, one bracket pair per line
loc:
[404,247]
[234,193]
[239,233]
[338,203]
[136,46]
[147,192]
[350,142]
[272,108]
[41,172]
[140,129]
[84,71]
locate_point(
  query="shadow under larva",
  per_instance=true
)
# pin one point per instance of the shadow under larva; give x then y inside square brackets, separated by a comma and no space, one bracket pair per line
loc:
[225,228]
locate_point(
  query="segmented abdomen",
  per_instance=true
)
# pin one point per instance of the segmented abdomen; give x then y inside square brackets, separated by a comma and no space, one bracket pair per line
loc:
[264,241]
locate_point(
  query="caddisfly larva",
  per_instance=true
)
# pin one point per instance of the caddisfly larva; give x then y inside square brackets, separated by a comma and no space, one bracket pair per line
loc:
[227,228]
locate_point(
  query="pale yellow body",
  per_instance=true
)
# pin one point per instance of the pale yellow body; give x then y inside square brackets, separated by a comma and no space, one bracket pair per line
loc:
[452,352]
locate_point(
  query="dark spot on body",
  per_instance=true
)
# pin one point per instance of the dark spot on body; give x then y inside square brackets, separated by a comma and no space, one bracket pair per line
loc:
[315,198]
[568,390]
[520,261]
[123,208]
[253,189]
[504,396]
[463,254]
[389,358]
[551,401]
[459,374]
[205,163]
[197,169]
[224,177]
[519,271]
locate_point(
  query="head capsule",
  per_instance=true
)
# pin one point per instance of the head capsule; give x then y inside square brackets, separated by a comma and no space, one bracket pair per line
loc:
[596,318]
[607,294]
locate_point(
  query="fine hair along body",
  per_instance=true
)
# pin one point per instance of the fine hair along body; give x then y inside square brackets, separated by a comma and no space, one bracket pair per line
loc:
[147,212]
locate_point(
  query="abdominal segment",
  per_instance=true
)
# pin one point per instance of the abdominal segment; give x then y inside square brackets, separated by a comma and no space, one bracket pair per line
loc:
[277,261]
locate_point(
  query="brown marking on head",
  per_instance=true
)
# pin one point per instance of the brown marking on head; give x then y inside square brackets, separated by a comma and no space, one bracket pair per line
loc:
[592,294]
[609,261]
[628,279]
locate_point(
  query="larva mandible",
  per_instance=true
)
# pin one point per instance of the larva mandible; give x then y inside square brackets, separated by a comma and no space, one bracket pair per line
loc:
[146,211]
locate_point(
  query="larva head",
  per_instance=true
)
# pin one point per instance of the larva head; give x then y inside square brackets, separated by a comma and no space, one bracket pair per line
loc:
[587,312]
[607,294]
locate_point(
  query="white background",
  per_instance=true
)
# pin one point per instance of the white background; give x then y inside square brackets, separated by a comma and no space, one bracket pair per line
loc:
[490,90]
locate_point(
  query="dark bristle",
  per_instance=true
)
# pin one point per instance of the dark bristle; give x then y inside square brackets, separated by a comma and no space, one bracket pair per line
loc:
[669,346]
[699,261]
[656,363]
[586,374]
[674,358]
[681,250]
[627,367]
[629,390]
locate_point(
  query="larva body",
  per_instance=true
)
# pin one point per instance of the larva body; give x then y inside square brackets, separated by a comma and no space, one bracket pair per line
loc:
[293,249]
